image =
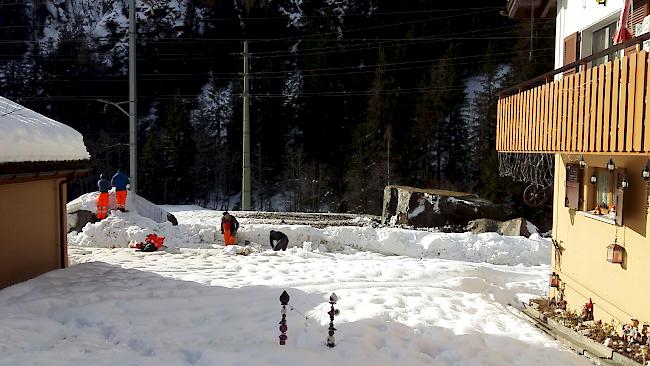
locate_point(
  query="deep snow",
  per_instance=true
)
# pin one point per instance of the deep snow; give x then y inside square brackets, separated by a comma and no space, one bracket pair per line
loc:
[191,306]
[202,307]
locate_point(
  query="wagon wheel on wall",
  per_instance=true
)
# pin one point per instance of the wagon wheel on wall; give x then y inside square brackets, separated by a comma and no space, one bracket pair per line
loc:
[535,195]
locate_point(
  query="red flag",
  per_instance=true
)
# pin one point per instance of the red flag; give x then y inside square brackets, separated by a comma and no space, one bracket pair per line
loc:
[622,33]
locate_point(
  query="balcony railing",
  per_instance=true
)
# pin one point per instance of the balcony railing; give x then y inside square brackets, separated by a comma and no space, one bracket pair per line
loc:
[603,109]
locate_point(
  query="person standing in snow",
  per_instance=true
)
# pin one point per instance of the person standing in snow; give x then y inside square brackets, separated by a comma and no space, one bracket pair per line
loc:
[229,226]
[282,239]
[102,201]
[119,181]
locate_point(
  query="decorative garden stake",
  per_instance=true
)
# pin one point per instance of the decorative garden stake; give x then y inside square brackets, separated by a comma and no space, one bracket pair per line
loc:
[332,313]
[284,300]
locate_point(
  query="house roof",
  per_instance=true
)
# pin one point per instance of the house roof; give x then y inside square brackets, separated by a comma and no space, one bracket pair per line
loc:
[518,9]
[27,136]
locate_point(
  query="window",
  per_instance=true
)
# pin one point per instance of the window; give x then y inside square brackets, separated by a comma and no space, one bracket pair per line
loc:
[602,40]
[605,191]
[603,196]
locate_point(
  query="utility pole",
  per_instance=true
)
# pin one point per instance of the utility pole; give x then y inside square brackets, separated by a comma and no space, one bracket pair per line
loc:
[133,116]
[246,154]
[532,25]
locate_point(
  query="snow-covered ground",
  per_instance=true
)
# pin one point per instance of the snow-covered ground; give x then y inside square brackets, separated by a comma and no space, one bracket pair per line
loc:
[193,306]
[199,228]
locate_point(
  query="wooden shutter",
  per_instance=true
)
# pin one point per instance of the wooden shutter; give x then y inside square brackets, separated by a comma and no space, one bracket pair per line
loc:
[619,206]
[640,9]
[620,193]
[571,51]
[572,186]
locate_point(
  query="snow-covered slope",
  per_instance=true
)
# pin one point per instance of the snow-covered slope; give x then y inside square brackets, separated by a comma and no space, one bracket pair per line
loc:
[105,23]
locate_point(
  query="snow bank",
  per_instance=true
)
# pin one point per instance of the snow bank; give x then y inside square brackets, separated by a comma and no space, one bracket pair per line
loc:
[135,203]
[488,247]
[29,136]
[120,228]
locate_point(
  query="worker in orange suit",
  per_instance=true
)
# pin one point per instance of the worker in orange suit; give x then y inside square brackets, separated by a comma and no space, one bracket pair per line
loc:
[120,181]
[229,226]
[102,201]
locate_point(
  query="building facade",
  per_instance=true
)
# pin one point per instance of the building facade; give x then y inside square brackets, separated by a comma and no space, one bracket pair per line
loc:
[593,115]
[38,156]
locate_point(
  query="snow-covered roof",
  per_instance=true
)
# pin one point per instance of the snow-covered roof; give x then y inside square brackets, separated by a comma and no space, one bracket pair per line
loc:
[29,136]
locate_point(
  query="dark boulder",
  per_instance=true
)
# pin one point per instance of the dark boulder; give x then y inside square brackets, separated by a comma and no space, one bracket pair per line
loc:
[479,226]
[77,220]
[516,227]
[435,208]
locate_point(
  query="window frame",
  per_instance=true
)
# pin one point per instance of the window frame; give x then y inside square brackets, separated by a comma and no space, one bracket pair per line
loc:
[581,194]
[609,43]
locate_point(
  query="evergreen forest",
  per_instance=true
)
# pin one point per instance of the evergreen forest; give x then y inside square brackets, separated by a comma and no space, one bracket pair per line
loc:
[347,96]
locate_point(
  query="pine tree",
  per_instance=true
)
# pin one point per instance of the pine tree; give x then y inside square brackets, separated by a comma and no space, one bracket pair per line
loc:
[178,149]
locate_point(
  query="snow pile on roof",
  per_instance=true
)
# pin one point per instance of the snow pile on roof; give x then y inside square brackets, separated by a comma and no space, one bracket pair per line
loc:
[29,136]
[120,228]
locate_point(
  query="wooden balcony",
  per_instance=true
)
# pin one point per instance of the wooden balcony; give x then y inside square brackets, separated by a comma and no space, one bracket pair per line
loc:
[600,110]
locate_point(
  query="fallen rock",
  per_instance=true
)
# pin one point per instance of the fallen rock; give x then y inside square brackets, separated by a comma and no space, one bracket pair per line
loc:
[435,208]
[479,226]
[77,220]
[516,227]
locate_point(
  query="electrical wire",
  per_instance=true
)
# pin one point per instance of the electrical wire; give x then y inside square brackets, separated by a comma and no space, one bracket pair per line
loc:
[369,14]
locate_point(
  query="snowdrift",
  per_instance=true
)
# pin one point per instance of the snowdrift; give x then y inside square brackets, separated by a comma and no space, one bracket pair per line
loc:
[488,247]
[134,203]
[120,228]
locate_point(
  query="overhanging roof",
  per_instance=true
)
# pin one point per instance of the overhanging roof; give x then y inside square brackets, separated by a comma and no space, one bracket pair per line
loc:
[39,170]
[518,9]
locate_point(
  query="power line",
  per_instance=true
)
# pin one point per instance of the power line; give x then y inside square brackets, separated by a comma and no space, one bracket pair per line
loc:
[424,39]
[386,64]
[320,34]
[178,56]
[217,39]
[369,14]
[283,74]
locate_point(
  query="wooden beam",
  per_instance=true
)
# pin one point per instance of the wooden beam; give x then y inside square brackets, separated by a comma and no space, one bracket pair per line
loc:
[622,105]
[588,111]
[642,59]
[600,108]
[631,97]
[581,109]
[608,106]
[593,109]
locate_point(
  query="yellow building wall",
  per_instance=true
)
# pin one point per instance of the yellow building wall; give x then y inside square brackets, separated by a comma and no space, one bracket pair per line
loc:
[619,292]
[30,230]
